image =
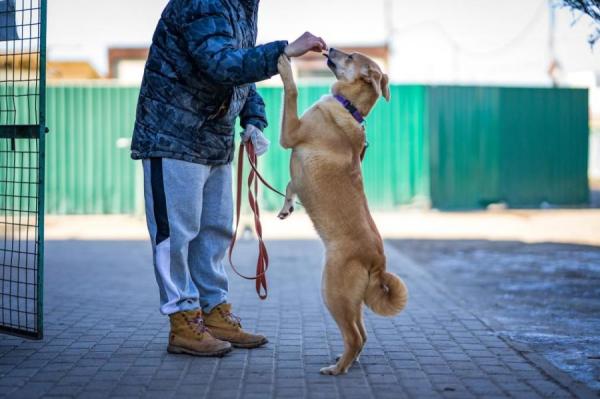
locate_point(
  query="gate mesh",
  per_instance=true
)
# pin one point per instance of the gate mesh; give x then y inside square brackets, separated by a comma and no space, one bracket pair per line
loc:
[21,166]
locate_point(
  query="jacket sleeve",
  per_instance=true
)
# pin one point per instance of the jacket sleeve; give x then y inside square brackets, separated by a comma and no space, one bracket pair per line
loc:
[253,112]
[211,43]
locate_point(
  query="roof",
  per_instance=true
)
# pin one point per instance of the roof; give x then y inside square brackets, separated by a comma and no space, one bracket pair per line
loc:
[59,70]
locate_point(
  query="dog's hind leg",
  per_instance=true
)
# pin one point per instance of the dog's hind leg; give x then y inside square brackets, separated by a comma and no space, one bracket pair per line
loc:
[343,286]
[288,205]
[345,317]
[360,324]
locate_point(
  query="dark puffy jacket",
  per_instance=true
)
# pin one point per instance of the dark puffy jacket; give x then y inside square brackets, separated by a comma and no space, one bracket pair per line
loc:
[199,78]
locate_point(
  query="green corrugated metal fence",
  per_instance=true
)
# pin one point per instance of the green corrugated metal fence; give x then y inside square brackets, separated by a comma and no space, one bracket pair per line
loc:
[520,146]
[457,147]
[88,171]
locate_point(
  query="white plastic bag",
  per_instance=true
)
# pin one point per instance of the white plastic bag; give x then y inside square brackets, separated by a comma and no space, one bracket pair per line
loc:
[260,142]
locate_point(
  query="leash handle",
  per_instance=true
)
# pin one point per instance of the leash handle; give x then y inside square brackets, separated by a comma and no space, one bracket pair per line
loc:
[262,263]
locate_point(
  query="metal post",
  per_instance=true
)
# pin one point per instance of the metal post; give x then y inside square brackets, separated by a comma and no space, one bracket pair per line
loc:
[42,169]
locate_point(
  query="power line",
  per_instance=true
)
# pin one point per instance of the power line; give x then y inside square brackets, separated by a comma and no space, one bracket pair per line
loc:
[522,33]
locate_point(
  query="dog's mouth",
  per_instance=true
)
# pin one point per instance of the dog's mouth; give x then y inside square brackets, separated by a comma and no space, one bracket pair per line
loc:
[330,63]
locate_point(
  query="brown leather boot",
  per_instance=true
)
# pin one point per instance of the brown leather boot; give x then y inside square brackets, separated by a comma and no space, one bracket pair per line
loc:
[224,325]
[189,335]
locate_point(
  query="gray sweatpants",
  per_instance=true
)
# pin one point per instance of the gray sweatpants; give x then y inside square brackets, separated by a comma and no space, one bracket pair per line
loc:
[189,210]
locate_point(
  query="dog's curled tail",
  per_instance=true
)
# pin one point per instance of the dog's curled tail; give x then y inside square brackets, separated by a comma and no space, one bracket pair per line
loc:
[386,293]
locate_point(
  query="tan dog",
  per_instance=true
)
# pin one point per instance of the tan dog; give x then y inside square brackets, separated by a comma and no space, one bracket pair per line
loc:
[327,142]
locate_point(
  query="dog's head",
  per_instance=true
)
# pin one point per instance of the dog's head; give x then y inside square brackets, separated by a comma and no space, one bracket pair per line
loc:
[357,68]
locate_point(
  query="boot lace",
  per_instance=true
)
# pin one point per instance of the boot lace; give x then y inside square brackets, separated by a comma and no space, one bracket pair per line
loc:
[197,324]
[231,318]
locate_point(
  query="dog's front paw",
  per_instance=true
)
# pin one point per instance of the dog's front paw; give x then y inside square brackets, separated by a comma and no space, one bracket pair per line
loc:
[331,370]
[285,213]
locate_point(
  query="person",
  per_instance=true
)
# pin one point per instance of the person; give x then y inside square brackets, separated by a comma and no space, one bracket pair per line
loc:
[199,77]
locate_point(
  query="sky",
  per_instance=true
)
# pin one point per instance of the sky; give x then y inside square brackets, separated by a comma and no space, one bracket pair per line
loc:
[432,41]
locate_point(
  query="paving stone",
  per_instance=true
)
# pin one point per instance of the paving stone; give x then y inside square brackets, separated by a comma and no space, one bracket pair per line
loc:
[107,339]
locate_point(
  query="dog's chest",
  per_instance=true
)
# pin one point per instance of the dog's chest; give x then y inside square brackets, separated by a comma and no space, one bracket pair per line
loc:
[316,171]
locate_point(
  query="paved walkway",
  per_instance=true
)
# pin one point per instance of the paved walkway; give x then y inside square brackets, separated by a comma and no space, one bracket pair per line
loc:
[105,338]
[546,295]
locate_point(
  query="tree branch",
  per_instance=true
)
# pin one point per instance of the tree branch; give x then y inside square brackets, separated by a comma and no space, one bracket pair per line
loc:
[589,7]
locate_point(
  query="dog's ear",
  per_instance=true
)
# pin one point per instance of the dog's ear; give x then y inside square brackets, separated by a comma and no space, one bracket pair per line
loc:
[379,81]
[385,87]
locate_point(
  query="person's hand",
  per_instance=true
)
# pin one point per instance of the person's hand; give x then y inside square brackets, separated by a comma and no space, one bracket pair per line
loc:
[305,43]
[260,142]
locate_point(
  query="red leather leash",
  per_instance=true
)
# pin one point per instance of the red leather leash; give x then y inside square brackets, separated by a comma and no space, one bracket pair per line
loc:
[262,263]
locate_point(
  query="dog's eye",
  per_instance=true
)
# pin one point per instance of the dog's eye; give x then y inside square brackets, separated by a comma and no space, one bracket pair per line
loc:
[350,57]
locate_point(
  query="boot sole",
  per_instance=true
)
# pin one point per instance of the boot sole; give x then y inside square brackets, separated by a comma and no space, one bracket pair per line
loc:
[178,350]
[249,346]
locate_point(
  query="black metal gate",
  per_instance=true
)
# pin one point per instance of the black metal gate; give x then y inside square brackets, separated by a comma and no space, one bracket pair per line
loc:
[22,150]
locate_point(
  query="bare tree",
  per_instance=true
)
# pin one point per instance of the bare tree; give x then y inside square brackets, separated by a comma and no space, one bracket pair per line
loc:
[589,7]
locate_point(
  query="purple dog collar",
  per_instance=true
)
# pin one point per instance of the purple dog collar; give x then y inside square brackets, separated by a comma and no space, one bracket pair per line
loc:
[350,108]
